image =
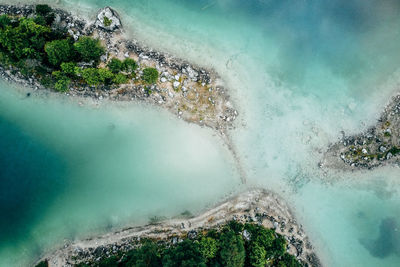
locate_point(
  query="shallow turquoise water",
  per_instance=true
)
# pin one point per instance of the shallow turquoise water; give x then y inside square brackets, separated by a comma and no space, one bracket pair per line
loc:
[299,72]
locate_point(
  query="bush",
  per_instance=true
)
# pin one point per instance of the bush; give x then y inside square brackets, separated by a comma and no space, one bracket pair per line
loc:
[62,85]
[147,255]
[68,68]
[129,65]
[42,264]
[107,22]
[186,253]
[232,251]
[24,39]
[115,65]
[208,247]
[91,76]
[4,21]
[43,9]
[58,51]
[89,49]
[40,20]
[119,79]
[288,260]
[150,75]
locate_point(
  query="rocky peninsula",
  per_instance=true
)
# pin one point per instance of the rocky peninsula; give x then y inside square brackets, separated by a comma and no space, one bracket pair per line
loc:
[255,206]
[195,94]
[377,146]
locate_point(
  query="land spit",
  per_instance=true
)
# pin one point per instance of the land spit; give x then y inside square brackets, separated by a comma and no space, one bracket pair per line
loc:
[257,206]
[194,94]
[377,146]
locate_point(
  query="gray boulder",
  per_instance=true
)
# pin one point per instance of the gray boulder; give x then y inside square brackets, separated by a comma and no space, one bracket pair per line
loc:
[108,19]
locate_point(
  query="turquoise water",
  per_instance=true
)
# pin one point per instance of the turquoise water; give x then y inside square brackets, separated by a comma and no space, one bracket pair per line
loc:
[299,73]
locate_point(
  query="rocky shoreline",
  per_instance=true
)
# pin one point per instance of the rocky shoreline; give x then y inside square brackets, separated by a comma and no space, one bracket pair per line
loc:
[192,93]
[377,146]
[257,206]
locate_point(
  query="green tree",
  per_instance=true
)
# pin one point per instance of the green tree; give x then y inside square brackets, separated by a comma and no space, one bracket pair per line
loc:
[115,65]
[40,20]
[89,49]
[129,65]
[150,75]
[288,260]
[91,76]
[208,247]
[184,254]
[257,255]
[58,51]
[24,37]
[43,9]
[4,21]
[120,79]
[232,251]
[68,68]
[148,255]
[42,264]
[62,85]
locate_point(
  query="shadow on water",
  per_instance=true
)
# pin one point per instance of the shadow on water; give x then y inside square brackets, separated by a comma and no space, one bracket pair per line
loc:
[388,241]
[31,176]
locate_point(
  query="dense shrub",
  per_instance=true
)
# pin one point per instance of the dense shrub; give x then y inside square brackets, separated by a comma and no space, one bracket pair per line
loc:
[129,65]
[150,75]
[26,39]
[4,21]
[58,51]
[42,264]
[119,78]
[213,248]
[43,9]
[69,68]
[62,84]
[115,65]
[89,49]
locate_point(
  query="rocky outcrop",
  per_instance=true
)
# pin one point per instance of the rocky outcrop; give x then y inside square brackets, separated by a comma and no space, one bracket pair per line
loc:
[377,146]
[108,19]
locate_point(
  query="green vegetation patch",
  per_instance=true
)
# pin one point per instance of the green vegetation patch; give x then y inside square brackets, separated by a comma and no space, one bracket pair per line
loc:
[107,22]
[235,245]
[150,75]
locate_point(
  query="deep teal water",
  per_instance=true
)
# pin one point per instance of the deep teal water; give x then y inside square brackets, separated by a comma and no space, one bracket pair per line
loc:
[298,71]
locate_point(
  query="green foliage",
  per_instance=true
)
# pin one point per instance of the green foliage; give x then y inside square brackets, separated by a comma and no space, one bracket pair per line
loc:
[120,79]
[42,264]
[91,76]
[58,51]
[115,65]
[96,77]
[68,68]
[43,9]
[40,20]
[89,49]
[107,22]
[288,260]
[26,39]
[62,84]
[150,75]
[208,247]
[4,21]
[257,255]
[146,256]
[129,65]
[186,253]
[232,251]
[214,248]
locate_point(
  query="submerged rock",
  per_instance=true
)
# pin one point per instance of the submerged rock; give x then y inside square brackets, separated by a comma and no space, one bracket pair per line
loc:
[108,19]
